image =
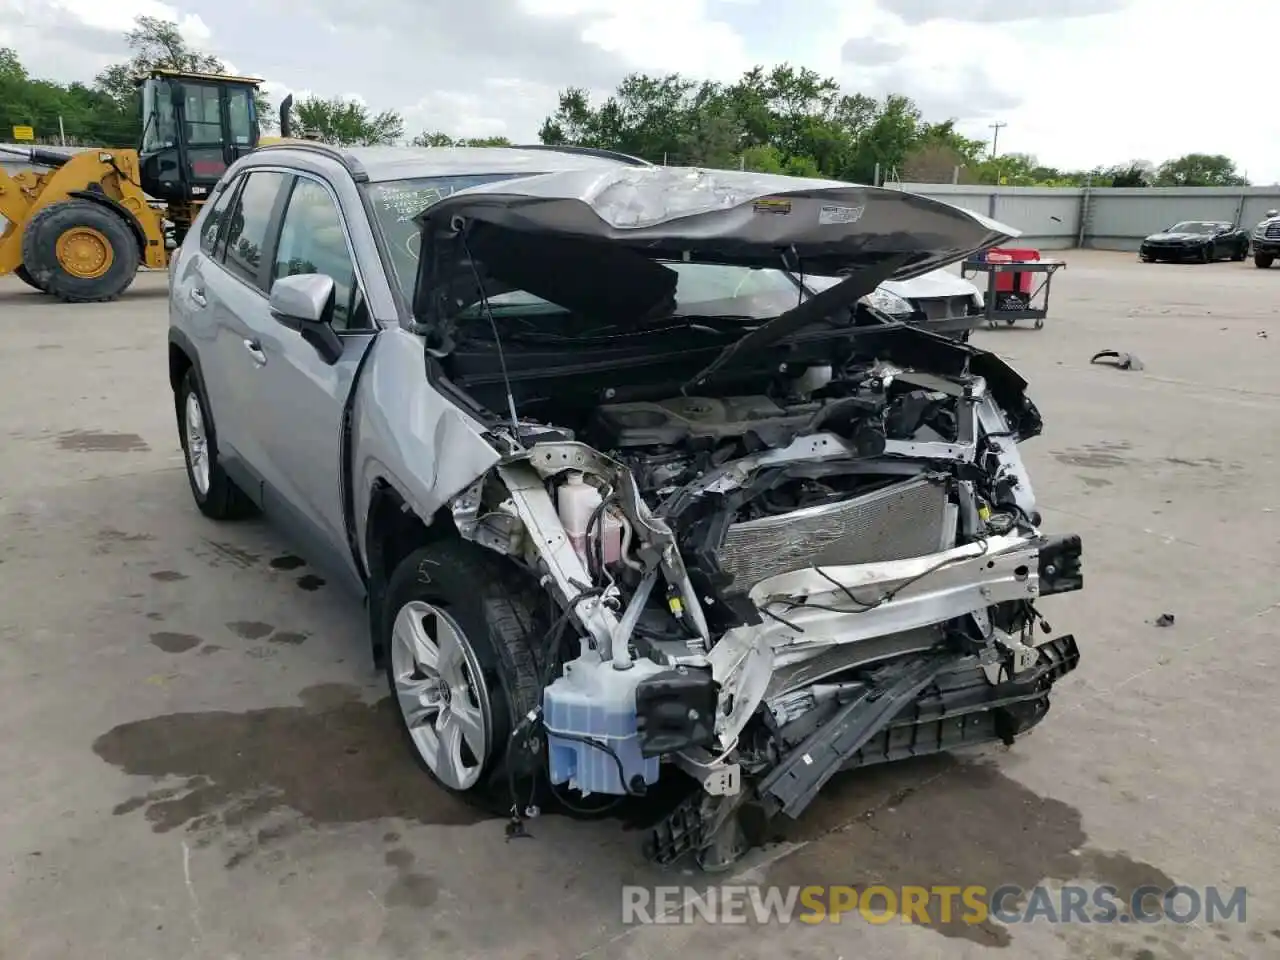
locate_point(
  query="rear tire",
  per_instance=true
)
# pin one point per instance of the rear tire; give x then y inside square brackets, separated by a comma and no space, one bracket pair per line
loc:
[1206,253]
[491,608]
[80,252]
[21,273]
[215,494]
[1263,260]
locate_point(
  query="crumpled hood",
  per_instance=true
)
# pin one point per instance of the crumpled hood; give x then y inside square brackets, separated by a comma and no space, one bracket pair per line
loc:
[936,283]
[591,240]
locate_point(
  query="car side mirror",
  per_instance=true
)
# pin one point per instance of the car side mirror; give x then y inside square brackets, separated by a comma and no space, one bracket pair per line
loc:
[304,302]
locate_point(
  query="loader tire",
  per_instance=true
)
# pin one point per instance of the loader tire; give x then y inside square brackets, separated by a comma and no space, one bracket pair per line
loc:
[21,273]
[80,252]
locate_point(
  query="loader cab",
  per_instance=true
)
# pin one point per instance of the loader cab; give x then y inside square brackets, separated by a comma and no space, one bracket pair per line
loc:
[194,126]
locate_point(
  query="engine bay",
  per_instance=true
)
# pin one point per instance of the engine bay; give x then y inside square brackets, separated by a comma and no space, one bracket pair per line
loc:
[745,569]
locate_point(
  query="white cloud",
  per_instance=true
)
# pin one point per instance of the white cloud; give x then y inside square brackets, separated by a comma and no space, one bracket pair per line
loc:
[657,35]
[1147,79]
[998,11]
[1079,82]
[119,15]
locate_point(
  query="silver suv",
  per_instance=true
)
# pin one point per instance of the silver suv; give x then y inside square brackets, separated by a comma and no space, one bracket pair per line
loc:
[625,497]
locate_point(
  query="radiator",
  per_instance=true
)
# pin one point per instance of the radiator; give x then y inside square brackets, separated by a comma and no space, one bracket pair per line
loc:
[908,519]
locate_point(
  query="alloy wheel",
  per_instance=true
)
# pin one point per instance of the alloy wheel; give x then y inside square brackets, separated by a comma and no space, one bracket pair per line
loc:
[197,444]
[441,694]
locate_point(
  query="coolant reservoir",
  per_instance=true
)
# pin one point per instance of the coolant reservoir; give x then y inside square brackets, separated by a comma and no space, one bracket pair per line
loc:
[576,501]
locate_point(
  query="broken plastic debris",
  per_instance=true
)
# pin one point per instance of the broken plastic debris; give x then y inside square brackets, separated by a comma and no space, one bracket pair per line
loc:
[1164,620]
[1124,361]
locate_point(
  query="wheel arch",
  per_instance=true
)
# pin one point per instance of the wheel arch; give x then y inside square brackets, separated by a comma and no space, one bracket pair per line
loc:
[392,531]
[183,356]
[120,210]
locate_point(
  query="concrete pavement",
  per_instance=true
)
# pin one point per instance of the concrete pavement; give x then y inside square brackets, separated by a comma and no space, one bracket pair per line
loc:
[199,760]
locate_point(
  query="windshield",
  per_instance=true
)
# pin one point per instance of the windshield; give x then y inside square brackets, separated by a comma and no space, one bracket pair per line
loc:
[1194,226]
[702,289]
[397,202]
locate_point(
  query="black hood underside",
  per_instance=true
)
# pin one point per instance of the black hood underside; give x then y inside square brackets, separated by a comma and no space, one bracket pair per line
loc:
[592,241]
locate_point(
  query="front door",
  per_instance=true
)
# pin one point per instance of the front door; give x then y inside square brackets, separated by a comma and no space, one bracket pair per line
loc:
[302,398]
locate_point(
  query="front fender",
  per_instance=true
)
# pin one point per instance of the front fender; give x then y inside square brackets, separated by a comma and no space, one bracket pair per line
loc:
[406,434]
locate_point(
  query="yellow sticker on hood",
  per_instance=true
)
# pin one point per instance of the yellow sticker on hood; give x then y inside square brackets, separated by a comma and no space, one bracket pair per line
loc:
[772,205]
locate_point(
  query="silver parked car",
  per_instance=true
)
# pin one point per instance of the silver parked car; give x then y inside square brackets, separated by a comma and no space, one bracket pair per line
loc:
[626,499]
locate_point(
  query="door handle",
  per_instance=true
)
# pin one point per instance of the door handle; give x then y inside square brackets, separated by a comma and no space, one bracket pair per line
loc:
[197,296]
[255,351]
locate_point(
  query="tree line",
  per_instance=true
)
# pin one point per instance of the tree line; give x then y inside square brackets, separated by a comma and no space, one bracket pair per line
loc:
[780,120]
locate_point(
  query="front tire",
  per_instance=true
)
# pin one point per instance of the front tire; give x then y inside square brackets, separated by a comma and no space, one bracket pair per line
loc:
[215,494]
[1263,260]
[1241,253]
[80,251]
[1206,253]
[458,627]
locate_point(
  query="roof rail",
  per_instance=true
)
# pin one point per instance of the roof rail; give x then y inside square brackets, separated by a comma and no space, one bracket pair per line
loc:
[586,152]
[354,166]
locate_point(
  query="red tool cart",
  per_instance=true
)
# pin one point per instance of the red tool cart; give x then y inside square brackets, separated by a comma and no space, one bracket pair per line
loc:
[1012,290]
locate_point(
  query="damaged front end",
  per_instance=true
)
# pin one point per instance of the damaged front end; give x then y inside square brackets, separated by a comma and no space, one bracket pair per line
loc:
[789,543]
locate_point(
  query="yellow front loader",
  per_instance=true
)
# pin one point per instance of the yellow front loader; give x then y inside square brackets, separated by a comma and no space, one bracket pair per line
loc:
[81,230]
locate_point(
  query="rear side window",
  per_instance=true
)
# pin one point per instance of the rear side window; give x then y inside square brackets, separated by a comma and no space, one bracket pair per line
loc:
[247,226]
[217,216]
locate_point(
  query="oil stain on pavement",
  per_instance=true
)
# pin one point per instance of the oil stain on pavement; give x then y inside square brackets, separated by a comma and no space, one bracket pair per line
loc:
[250,629]
[1107,455]
[965,824]
[175,642]
[410,893]
[333,759]
[95,441]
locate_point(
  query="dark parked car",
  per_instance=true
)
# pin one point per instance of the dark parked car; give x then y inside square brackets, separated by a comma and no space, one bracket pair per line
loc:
[1202,240]
[1266,240]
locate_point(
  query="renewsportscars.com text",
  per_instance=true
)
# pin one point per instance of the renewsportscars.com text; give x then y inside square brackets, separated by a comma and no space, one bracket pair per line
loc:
[931,905]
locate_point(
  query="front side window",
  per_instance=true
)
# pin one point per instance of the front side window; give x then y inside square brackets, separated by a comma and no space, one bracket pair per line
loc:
[247,226]
[313,240]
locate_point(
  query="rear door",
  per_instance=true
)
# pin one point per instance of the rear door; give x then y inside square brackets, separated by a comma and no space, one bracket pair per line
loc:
[235,287]
[188,297]
[300,397]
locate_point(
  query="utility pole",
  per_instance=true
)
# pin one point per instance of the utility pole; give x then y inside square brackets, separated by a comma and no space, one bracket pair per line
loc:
[995,137]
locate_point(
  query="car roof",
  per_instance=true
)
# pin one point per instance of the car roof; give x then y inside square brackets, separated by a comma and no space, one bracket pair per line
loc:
[375,164]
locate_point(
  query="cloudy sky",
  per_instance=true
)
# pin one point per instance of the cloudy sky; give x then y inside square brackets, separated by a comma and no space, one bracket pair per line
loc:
[1078,82]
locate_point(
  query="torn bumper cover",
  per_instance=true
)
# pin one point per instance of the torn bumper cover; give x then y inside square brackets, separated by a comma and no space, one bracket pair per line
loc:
[776,569]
